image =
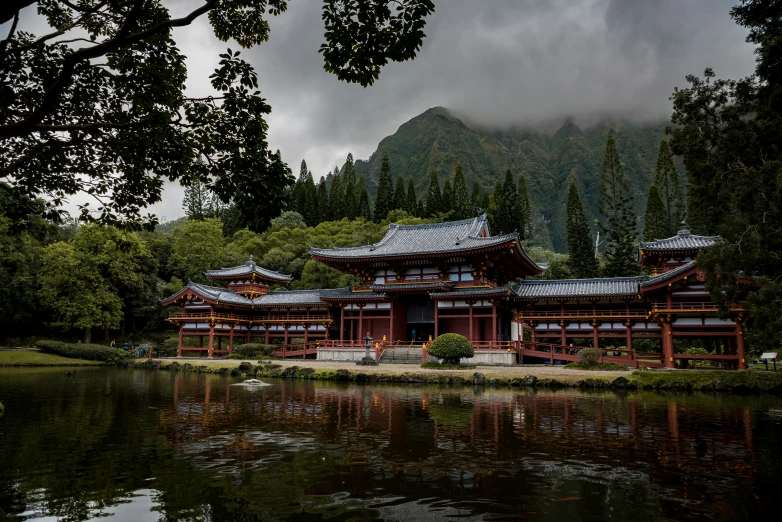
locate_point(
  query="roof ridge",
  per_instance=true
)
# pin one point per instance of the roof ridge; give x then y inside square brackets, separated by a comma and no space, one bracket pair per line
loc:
[589,279]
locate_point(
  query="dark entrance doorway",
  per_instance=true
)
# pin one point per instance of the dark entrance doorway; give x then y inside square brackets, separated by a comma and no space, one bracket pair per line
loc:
[420,318]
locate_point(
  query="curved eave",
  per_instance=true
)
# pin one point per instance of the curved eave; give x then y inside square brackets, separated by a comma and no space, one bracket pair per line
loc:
[457,296]
[356,299]
[645,254]
[665,282]
[249,275]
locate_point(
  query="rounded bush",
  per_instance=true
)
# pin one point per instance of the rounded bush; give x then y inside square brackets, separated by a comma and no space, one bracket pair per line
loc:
[451,347]
[697,351]
[590,356]
[253,350]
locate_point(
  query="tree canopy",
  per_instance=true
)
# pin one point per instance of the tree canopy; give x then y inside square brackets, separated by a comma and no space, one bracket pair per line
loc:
[97,105]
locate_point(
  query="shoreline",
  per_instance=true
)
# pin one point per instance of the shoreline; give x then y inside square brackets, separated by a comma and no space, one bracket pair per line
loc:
[494,376]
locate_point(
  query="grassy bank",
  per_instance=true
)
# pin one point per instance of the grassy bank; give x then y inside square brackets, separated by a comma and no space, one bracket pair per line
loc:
[740,382]
[37,358]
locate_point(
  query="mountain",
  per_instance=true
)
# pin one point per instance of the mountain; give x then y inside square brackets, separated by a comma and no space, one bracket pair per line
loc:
[439,139]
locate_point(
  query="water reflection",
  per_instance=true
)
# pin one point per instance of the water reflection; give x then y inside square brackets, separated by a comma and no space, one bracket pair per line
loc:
[146,446]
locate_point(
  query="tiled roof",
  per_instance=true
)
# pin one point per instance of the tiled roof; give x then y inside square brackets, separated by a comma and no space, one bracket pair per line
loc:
[247,269]
[683,241]
[460,293]
[346,293]
[670,274]
[598,287]
[412,286]
[292,297]
[453,236]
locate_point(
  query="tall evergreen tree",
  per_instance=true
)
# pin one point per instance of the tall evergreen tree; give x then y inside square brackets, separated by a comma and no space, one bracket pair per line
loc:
[311,213]
[337,197]
[297,196]
[616,205]
[509,216]
[385,191]
[446,200]
[487,203]
[363,210]
[498,211]
[656,224]
[476,198]
[400,194]
[197,201]
[323,201]
[412,198]
[524,210]
[667,180]
[582,261]
[351,191]
[461,198]
[433,195]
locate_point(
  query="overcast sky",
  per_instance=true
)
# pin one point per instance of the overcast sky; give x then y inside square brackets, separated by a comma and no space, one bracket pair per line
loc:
[500,62]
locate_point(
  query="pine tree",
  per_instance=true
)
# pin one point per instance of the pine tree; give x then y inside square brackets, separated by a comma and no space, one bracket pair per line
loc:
[310,210]
[337,197]
[400,194]
[197,201]
[297,196]
[667,180]
[461,199]
[412,198]
[524,210]
[323,201]
[582,261]
[487,204]
[351,192]
[656,224]
[364,211]
[510,192]
[446,200]
[498,211]
[476,197]
[433,195]
[385,191]
[616,205]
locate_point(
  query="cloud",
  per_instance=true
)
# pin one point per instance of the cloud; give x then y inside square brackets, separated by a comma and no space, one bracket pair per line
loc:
[500,63]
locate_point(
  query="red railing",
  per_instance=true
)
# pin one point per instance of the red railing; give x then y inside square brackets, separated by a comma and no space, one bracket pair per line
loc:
[204,316]
[296,350]
[581,313]
[681,306]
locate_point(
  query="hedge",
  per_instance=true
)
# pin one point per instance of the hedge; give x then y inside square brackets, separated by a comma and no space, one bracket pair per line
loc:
[451,347]
[253,350]
[89,352]
[590,356]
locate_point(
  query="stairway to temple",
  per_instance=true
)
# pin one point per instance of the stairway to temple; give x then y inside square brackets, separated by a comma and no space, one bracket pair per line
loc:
[402,356]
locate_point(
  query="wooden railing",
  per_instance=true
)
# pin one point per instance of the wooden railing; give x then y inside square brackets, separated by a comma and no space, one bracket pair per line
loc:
[684,306]
[586,314]
[290,318]
[296,350]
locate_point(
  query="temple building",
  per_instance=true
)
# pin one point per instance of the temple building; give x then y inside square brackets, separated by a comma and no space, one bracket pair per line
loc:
[421,281]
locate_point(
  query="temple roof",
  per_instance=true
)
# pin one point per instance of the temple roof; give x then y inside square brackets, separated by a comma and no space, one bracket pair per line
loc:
[347,294]
[574,288]
[285,298]
[246,270]
[466,293]
[405,240]
[670,274]
[684,241]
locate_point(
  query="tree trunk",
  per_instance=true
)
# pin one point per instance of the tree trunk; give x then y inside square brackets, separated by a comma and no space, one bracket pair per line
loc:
[106,334]
[87,335]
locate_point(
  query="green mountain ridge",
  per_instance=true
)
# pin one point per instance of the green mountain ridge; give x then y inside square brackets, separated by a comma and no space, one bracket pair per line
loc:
[437,138]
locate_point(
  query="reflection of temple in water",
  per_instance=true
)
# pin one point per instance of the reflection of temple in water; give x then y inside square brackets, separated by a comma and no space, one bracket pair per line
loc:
[436,436]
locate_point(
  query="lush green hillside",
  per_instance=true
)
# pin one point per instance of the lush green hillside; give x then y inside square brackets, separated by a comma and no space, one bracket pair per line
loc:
[438,139]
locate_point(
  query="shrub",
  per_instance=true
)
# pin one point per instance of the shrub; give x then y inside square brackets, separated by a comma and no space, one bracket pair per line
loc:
[89,352]
[697,351]
[590,356]
[253,350]
[451,347]
[598,366]
[438,366]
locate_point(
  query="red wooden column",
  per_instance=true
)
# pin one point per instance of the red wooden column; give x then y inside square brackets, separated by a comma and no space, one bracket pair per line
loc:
[629,337]
[179,347]
[494,321]
[360,322]
[595,340]
[341,322]
[391,321]
[231,340]
[211,341]
[562,333]
[668,344]
[436,321]
[472,337]
[740,346]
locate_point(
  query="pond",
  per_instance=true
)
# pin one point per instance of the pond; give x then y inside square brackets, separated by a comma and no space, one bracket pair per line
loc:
[136,445]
